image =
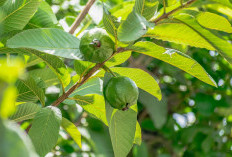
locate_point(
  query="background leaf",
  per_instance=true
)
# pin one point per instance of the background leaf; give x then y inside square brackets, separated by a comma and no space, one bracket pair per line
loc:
[17,14]
[49,40]
[43,18]
[71,130]
[45,129]
[25,111]
[214,21]
[29,91]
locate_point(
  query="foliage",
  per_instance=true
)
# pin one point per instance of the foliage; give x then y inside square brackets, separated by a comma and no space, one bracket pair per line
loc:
[177,52]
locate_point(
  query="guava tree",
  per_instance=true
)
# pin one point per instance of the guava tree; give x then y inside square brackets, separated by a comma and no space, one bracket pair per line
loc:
[52,78]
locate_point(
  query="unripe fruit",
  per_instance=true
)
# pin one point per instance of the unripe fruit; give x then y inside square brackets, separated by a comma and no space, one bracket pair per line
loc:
[121,92]
[96,45]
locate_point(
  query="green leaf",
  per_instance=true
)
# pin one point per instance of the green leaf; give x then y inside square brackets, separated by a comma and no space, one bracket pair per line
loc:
[25,111]
[174,58]
[179,33]
[214,21]
[156,109]
[16,14]
[72,130]
[29,91]
[222,46]
[46,74]
[93,104]
[49,40]
[122,127]
[142,150]
[110,23]
[123,10]
[82,67]
[14,142]
[2,2]
[53,62]
[146,8]
[45,129]
[142,79]
[138,134]
[118,59]
[43,18]
[132,28]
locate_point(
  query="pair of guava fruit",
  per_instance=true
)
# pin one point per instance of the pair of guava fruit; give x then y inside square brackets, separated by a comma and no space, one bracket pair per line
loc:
[96,46]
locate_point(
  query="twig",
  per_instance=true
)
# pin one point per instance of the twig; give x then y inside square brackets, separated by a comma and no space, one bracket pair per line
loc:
[84,79]
[164,6]
[81,16]
[164,16]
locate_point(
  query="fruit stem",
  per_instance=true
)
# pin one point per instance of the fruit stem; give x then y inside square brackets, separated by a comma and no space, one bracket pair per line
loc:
[107,69]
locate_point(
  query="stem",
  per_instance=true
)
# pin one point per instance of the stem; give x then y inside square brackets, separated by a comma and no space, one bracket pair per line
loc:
[181,3]
[164,16]
[81,16]
[109,70]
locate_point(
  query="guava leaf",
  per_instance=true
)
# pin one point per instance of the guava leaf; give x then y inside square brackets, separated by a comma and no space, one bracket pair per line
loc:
[72,130]
[146,8]
[25,111]
[223,47]
[175,58]
[45,128]
[133,27]
[118,59]
[48,40]
[214,21]
[43,18]
[16,14]
[29,91]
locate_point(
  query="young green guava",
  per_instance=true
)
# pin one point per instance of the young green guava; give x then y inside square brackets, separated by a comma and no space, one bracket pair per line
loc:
[121,92]
[96,45]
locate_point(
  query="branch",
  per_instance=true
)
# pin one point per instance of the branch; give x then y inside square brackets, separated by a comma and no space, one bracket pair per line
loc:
[85,78]
[164,16]
[81,16]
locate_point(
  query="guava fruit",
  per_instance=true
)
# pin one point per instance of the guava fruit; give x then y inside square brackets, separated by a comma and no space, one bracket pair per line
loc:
[96,45]
[121,92]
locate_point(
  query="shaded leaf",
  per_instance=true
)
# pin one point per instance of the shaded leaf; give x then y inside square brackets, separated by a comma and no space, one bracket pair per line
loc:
[25,111]
[45,129]
[29,91]
[16,14]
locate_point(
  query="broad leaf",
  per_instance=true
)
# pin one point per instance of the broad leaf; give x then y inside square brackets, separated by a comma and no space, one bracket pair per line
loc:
[146,8]
[25,111]
[122,127]
[156,109]
[17,13]
[168,2]
[46,74]
[29,91]
[123,10]
[110,22]
[214,21]
[132,28]
[142,79]
[49,40]
[72,130]
[174,58]
[118,59]
[222,46]
[93,104]
[179,33]
[2,2]
[82,67]
[43,18]
[45,129]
